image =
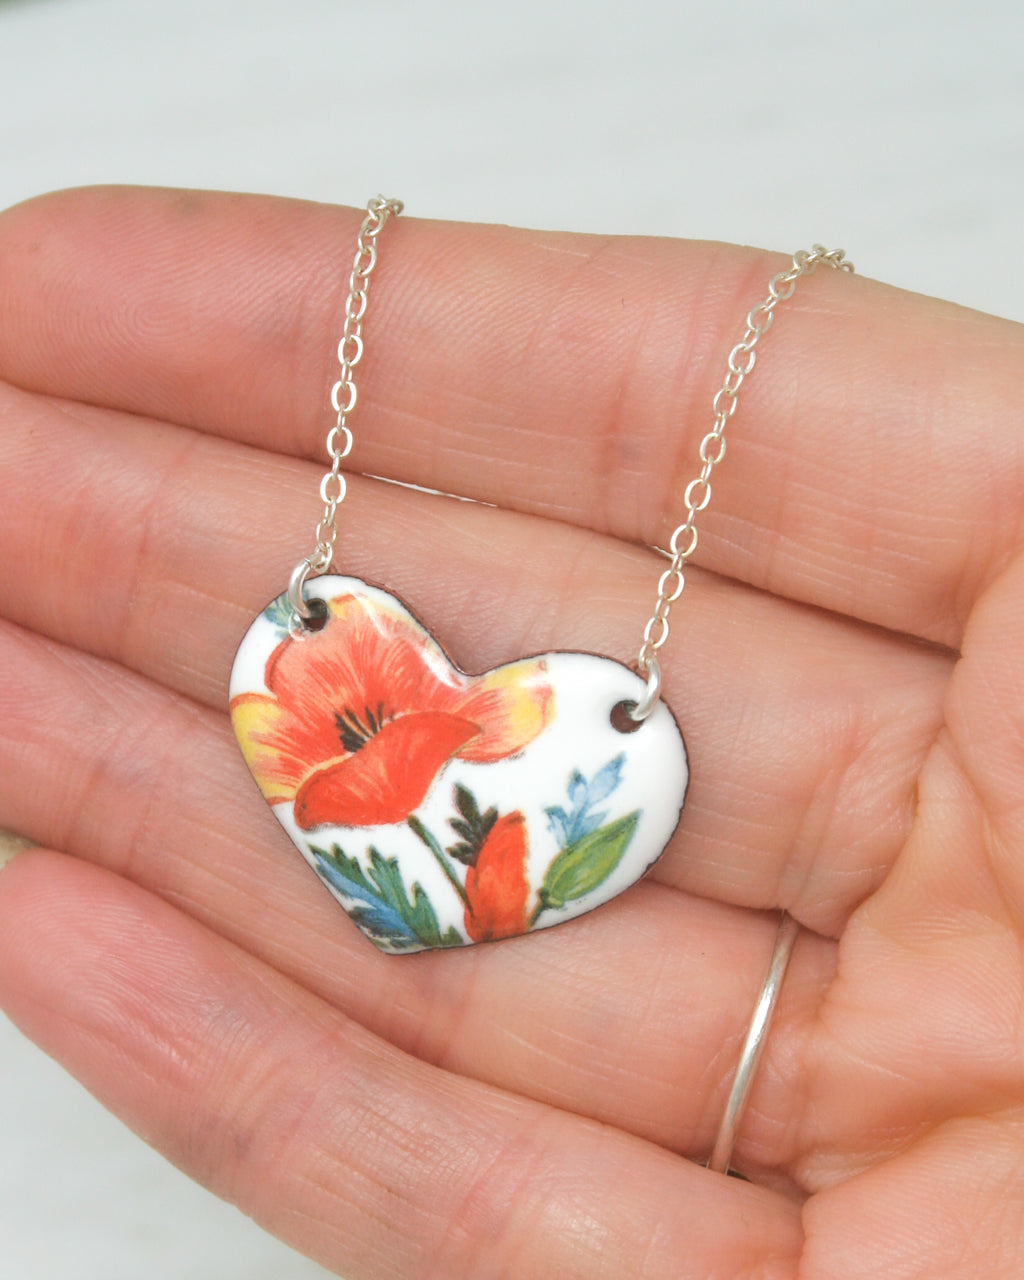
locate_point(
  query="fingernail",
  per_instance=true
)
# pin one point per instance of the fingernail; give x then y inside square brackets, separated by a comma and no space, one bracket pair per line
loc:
[10,846]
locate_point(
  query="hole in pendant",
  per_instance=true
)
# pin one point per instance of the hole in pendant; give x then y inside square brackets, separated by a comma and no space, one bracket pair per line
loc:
[621,719]
[317,619]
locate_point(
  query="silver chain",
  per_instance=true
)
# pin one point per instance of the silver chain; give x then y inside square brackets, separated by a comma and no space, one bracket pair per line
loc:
[343,400]
[697,495]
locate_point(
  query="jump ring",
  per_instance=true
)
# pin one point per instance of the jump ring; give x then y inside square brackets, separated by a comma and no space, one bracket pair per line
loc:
[295,584]
[651,697]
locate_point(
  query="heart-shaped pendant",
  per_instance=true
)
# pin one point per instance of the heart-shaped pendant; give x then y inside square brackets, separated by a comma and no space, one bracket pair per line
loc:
[441,808]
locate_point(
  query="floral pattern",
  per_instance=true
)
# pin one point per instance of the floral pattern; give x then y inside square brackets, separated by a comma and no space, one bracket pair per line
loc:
[495,889]
[349,731]
[361,716]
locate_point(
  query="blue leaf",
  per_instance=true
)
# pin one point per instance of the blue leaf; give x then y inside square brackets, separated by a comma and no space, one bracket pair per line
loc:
[558,821]
[586,823]
[577,790]
[384,909]
[373,912]
[568,828]
[606,780]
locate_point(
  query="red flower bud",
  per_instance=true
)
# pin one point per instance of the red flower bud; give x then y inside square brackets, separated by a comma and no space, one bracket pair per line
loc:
[496,885]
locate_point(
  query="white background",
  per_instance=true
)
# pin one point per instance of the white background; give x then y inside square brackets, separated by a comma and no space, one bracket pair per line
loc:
[894,129]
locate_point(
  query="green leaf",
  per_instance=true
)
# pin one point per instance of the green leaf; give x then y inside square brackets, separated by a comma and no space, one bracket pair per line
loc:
[474,827]
[463,853]
[418,829]
[587,862]
[466,804]
[381,904]
[416,911]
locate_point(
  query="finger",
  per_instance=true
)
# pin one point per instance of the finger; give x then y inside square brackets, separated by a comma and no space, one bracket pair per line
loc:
[985,714]
[564,376]
[926,1003]
[949,1206]
[370,1161]
[804,770]
[150,786]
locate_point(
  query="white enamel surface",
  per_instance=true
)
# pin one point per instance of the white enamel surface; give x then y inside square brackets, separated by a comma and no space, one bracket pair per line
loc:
[580,737]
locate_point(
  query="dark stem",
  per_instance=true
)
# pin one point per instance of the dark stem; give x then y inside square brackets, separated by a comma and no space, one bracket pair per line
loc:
[420,830]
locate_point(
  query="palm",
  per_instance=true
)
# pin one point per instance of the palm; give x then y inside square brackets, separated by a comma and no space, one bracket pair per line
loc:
[433,1116]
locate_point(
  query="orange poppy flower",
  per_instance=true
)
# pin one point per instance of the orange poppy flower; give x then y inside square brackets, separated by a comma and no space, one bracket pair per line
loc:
[496,884]
[361,716]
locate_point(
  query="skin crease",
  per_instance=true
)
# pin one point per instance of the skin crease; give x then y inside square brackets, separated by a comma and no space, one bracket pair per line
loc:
[844,664]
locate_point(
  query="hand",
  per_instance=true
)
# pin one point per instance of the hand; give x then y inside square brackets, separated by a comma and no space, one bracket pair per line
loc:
[845,665]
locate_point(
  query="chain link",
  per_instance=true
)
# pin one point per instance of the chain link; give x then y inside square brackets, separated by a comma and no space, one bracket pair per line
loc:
[697,495]
[343,399]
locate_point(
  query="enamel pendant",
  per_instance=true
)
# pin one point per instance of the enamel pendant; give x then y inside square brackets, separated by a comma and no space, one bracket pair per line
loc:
[440,808]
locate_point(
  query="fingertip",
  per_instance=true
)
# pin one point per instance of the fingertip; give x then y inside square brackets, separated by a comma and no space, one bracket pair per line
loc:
[10,846]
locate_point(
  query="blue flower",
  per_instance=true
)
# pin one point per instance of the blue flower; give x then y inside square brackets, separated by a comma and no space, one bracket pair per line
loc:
[581,820]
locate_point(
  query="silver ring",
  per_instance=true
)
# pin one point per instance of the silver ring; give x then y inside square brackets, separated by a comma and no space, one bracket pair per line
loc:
[296,582]
[753,1046]
[642,709]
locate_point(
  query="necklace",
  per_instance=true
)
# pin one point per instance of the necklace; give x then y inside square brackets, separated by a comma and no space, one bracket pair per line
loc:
[442,808]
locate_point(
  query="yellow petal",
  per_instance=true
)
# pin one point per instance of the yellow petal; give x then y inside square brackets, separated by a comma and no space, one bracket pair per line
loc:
[256,720]
[511,704]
